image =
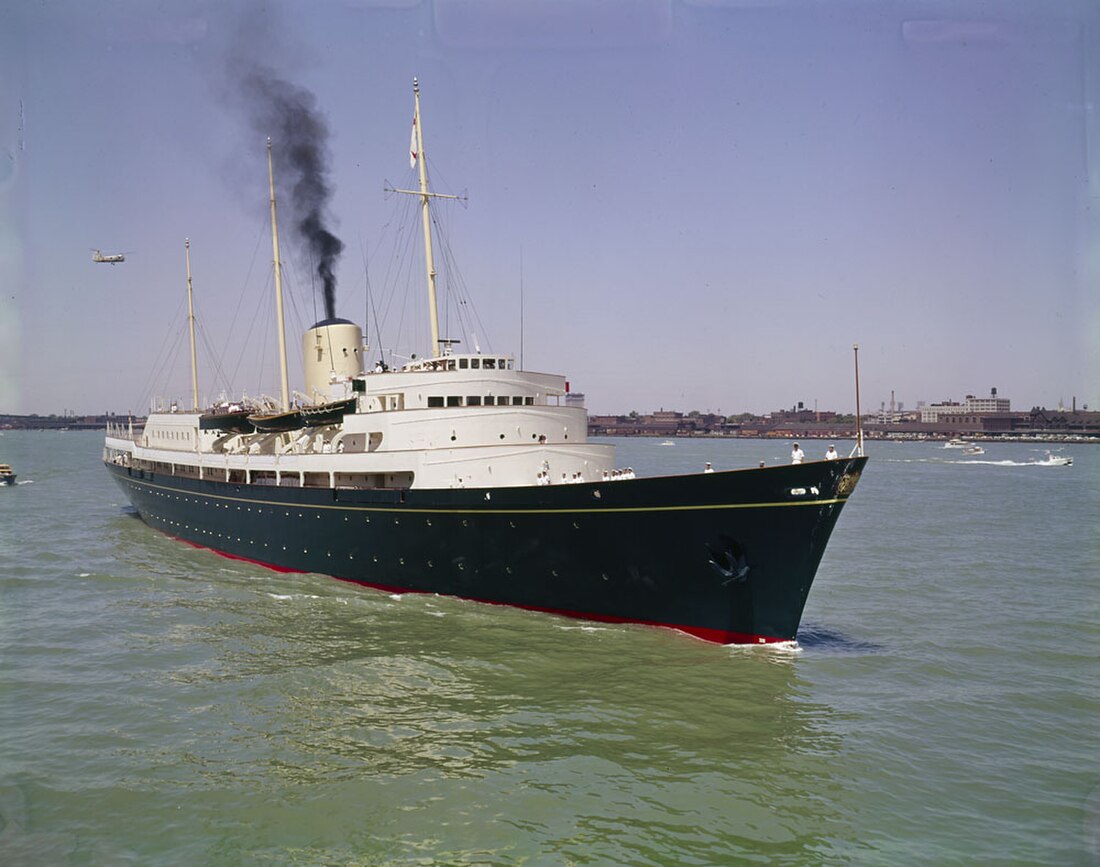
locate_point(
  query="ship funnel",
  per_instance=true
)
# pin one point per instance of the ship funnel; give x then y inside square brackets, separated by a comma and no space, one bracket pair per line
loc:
[332,357]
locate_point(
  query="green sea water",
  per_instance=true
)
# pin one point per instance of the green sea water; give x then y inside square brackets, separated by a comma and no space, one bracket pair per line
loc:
[160,704]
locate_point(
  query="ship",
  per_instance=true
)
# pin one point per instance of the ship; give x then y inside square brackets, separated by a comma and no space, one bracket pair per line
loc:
[463,474]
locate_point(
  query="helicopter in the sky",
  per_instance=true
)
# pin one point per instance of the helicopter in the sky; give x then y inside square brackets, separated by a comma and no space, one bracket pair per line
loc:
[110,258]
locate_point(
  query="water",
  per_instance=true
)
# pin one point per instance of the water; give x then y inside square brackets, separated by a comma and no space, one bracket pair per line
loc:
[161,704]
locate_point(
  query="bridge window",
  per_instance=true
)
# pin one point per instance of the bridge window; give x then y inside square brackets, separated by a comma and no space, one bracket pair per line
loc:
[463,363]
[435,401]
[490,364]
[453,400]
[473,400]
[475,363]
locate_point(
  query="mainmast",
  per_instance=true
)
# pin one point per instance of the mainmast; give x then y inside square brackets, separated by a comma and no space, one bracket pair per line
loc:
[429,261]
[416,154]
[278,286]
[191,325]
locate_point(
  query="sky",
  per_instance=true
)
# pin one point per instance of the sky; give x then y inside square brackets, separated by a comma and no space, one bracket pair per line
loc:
[690,205]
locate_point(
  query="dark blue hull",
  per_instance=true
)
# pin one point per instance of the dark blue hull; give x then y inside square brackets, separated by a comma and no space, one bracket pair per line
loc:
[728,557]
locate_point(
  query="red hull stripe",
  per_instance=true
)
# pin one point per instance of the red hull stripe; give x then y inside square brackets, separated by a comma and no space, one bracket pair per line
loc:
[716,636]
[229,556]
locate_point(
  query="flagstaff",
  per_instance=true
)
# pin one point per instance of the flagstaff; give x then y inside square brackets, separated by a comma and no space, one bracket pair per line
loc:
[859,423]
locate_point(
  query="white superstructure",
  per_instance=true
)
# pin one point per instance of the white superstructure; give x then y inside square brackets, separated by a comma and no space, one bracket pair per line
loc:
[457,421]
[448,421]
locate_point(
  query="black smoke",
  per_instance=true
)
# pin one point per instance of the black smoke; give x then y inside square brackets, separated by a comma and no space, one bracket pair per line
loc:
[289,115]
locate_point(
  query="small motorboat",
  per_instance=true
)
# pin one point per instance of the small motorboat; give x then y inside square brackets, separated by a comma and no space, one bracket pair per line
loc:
[668,443]
[973,450]
[956,444]
[7,475]
[1052,460]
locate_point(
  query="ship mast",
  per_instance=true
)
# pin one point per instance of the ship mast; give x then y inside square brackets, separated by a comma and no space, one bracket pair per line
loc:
[429,261]
[191,325]
[278,286]
[417,155]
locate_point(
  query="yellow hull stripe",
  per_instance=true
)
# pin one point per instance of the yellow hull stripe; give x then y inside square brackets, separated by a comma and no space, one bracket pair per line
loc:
[412,510]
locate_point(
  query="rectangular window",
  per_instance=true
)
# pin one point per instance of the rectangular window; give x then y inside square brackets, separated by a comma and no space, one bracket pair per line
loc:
[475,363]
[463,363]
[452,400]
[490,364]
[517,401]
[435,401]
[529,401]
[473,400]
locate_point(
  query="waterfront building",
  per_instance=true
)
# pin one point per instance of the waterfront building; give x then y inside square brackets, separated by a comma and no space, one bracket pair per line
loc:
[972,406]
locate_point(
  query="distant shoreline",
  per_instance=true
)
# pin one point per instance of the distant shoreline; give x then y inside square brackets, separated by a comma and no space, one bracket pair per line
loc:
[876,436]
[794,432]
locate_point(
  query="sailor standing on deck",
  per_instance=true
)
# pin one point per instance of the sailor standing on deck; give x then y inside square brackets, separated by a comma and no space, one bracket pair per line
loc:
[830,454]
[797,454]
